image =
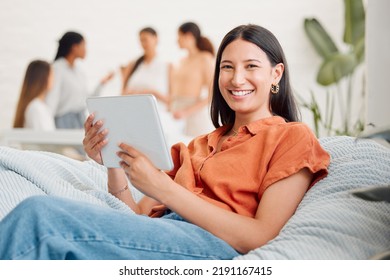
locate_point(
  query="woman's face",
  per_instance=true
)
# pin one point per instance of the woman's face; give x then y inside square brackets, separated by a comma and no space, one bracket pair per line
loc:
[148,41]
[181,39]
[185,40]
[245,79]
[79,49]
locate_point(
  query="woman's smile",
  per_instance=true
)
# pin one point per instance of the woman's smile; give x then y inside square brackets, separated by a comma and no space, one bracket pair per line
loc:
[240,92]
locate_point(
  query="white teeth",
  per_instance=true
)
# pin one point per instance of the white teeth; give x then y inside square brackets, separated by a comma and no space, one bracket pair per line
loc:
[241,92]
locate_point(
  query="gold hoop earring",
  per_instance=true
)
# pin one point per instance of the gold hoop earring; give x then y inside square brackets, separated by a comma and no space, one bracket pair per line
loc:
[275,88]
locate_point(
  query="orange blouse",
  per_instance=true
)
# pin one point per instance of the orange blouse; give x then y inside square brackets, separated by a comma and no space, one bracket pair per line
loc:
[236,177]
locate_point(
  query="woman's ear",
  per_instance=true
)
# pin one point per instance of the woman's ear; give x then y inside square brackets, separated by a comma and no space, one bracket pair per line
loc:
[278,72]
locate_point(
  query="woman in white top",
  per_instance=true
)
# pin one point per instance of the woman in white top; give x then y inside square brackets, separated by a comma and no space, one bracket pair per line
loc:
[149,74]
[32,111]
[67,97]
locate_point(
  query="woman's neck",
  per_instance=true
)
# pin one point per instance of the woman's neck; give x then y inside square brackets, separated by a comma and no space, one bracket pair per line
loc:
[42,96]
[70,59]
[193,51]
[149,56]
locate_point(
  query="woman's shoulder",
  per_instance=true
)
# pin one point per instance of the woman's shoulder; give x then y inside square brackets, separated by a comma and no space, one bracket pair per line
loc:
[38,116]
[297,126]
[206,56]
[277,128]
[36,106]
[58,65]
[297,130]
[277,123]
[160,60]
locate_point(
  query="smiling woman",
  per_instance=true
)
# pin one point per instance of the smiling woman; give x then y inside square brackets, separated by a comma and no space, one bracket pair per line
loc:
[260,70]
[245,80]
[221,185]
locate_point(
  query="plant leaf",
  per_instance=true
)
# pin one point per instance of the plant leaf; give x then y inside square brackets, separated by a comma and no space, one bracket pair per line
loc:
[335,67]
[320,39]
[354,21]
[359,50]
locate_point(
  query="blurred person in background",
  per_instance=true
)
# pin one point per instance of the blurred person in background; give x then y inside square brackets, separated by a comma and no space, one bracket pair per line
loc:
[149,74]
[67,97]
[191,80]
[32,111]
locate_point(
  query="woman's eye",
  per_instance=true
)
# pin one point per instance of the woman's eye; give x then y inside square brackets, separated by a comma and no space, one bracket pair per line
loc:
[226,67]
[252,66]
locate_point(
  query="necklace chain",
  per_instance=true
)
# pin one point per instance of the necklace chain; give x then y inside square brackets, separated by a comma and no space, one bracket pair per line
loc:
[235,132]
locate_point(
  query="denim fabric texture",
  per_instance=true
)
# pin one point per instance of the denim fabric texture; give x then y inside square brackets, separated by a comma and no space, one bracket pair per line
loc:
[47,227]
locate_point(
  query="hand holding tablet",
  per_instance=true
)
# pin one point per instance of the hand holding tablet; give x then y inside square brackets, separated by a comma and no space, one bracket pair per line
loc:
[134,120]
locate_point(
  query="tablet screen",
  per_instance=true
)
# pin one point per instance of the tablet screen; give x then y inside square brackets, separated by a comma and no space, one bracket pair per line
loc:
[131,119]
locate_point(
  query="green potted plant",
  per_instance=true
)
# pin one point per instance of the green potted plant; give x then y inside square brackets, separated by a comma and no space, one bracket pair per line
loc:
[337,70]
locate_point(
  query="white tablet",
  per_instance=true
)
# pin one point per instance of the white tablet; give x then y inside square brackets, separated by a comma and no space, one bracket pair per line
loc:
[131,119]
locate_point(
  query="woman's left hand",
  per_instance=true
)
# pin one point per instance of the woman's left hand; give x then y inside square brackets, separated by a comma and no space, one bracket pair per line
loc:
[141,172]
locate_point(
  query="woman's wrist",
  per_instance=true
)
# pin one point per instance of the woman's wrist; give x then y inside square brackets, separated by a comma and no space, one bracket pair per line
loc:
[116,180]
[116,192]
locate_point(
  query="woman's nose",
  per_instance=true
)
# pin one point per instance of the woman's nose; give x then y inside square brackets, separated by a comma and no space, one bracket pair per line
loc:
[238,77]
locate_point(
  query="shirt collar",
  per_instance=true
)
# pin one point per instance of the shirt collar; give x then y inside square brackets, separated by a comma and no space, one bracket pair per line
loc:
[252,128]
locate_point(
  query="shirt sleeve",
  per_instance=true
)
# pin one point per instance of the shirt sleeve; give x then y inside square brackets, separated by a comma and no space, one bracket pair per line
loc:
[297,149]
[182,172]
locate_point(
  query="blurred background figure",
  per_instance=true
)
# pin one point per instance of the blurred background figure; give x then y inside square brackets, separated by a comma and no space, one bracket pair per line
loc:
[67,97]
[191,81]
[32,111]
[149,74]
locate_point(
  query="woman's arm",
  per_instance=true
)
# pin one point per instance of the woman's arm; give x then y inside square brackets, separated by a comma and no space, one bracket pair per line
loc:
[94,141]
[118,186]
[278,203]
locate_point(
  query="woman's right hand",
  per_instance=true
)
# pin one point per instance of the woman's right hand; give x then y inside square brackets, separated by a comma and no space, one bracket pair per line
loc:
[94,140]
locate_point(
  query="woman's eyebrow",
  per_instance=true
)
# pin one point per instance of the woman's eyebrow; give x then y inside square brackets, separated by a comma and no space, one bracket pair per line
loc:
[247,60]
[253,60]
[226,61]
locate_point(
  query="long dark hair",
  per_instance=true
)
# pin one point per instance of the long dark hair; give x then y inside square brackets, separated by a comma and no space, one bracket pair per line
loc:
[66,42]
[35,82]
[141,59]
[282,103]
[202,42]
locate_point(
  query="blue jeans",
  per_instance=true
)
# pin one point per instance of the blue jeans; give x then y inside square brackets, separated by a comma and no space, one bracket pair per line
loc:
[71,120]
[44,227]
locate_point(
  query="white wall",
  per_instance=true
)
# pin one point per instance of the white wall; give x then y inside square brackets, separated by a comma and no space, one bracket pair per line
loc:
[378,62]
[30,29]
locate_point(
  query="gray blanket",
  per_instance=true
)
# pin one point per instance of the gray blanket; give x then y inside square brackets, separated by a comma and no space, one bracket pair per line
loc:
[28,173]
